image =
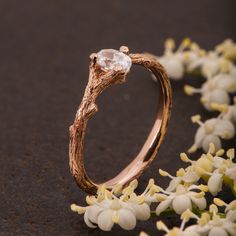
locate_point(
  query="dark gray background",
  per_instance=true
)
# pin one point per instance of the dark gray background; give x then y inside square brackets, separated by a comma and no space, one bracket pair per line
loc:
[44,48]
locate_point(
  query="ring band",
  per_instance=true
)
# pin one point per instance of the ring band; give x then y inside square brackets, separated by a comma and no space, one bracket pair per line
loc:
[109,67]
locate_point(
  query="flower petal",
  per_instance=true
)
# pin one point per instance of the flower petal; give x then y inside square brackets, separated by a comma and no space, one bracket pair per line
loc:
[127,219]
[142,211]
[163,205]
[105,220]
[210,66]
[191,177]
[230,228]
[181,203]
[93,211]
[231,216]
[201,230]
[226,82]
[211,138]
[199,202]
[217,231]
[173,184]
[173,66]
[199,136]
[225,129]
[231,173]
[215,183]
[216,96]
[87,221]
[218,161]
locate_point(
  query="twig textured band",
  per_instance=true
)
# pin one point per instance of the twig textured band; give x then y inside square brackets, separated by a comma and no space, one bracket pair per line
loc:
[109,67]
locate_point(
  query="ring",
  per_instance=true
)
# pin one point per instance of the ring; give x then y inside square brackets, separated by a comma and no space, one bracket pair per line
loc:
[109,67]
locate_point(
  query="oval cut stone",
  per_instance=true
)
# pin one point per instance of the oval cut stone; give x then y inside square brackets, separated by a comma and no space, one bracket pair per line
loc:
[110,59]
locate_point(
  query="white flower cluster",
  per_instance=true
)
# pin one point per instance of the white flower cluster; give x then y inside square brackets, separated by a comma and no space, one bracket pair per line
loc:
[220,72]
[213,168]
[212,131]
[106,209]
[210,223]
[189,58]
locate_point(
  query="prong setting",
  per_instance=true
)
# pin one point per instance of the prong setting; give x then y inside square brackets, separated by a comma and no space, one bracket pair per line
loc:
[124,49]
[93,57]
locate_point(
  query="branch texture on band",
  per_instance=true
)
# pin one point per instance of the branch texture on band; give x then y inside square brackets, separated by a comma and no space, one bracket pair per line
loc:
[109,67]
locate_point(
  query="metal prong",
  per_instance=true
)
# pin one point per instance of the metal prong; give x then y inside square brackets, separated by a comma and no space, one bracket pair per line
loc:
[93,56]
[124,49]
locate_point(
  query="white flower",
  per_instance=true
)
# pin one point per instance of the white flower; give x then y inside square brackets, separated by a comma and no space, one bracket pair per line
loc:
[216,88]
[172,61]
[106,209]
[222,168]
[140,207]
[211,92]
[205,135]
[173,65]
[215,182]
[188,176]
[210,132]
[219,96]
[107,212]
[203,166]
[215,225]
[115,212]
[209,64]
[182,199]
[179,231]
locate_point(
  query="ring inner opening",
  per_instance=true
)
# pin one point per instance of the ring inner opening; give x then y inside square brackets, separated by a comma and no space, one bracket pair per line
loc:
[118,131]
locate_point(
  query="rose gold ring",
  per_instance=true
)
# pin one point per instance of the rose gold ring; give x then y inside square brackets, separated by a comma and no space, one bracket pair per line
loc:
[109,67]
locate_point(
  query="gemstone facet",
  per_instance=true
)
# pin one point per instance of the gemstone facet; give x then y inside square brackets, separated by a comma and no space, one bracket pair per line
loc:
[111,59]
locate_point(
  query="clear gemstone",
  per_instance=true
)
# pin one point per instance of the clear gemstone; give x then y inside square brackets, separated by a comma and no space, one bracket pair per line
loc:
[110,59]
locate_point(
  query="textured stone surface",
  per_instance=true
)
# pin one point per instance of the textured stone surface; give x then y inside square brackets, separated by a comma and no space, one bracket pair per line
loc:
[44,49]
